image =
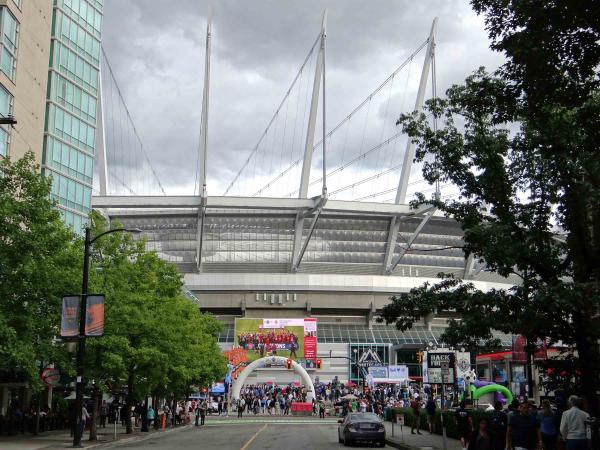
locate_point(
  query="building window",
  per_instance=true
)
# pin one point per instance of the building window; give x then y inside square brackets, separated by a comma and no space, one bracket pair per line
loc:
[9,32]
[6,103]
[73,66]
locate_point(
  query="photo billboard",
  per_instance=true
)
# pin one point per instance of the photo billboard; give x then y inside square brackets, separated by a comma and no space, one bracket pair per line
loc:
[291,338]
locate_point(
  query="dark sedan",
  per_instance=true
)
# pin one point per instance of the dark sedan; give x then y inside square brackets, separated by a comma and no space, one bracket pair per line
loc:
[361,427]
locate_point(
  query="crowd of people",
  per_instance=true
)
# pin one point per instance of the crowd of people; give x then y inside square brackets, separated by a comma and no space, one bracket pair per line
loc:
[521,426]
[268,341]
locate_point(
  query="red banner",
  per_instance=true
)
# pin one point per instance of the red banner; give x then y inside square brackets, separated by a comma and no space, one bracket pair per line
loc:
[94,316]
[310,347]
[310,338]
[69,321]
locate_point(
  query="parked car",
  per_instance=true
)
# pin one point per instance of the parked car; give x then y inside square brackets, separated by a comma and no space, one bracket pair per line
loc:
[361,427]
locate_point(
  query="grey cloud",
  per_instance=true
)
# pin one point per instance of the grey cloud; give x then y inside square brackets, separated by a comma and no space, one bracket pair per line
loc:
[157,53]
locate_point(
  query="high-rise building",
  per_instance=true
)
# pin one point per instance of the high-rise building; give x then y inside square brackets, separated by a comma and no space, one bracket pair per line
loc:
[49,82]
[24,53]
[72,105]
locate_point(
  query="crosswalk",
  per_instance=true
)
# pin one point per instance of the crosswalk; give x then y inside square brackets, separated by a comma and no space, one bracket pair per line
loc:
[270,420]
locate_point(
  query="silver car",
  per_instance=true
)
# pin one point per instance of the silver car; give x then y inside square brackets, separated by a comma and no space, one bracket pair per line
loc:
[361,427]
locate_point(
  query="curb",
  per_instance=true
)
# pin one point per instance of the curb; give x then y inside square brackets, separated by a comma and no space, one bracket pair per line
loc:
[399,445]
[136,438]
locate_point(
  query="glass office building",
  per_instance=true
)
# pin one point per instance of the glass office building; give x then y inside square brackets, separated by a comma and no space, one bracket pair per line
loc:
[71,106]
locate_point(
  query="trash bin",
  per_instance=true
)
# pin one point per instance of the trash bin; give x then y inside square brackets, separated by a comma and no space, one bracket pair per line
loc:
[592,431]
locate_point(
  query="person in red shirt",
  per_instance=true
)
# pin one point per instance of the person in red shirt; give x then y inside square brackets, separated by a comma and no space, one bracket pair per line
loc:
[415,405]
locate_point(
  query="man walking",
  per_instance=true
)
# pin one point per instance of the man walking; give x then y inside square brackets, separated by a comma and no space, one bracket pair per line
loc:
[430,407]
[572,425]
[523,431]
[103,413]
[464,424]
[203,407]
[415,405]
[498,424]
[241,406]
[321,409]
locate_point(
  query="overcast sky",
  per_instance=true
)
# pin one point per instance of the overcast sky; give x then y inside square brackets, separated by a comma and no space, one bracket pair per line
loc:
[156,50]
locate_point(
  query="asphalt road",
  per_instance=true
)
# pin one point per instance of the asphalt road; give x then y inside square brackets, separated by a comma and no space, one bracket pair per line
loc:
[247,436]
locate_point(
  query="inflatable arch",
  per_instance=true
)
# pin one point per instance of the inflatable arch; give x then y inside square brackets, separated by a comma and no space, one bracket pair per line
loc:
[237,385]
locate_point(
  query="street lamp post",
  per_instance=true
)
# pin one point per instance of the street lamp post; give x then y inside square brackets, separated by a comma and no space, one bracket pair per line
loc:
[78,432]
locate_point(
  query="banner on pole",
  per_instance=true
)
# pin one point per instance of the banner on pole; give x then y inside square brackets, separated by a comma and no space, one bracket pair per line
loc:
[94,316]
[69,320]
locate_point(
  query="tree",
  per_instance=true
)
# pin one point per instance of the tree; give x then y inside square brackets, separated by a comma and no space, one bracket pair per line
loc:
[521,145]
[155,340]
[40,260]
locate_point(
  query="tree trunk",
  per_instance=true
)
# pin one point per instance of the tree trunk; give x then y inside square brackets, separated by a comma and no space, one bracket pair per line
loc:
[129,401]
[588,357]
[93,427]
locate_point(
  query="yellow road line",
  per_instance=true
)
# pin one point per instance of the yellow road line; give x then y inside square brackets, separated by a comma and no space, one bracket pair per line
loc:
[247,444]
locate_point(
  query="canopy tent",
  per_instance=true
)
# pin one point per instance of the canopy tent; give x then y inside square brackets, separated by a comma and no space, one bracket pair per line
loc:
[218,388]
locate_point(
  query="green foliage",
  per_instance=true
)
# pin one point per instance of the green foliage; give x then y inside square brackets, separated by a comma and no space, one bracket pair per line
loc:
[40,260]
[521,145]
[153,333]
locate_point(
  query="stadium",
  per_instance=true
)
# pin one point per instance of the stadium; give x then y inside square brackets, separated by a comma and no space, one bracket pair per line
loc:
[342,279]
[336,256]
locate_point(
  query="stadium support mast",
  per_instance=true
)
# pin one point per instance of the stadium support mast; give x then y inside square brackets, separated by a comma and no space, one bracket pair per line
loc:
[300,247]
[409,155]
[203,147]
[101,140]
[312,118]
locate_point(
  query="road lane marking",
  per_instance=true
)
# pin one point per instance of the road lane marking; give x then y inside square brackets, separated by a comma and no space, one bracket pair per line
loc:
[247,444]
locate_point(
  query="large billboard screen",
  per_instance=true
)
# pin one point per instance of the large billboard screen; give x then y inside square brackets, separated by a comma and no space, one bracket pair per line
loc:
[292,338]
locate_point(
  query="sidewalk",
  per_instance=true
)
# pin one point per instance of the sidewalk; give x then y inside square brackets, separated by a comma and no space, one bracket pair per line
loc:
[55,440]
[404,440]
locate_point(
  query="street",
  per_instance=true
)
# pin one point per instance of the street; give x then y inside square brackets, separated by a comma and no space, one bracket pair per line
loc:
[249,434]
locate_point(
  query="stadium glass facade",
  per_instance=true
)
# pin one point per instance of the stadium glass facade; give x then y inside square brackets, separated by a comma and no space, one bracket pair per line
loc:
[245,269]
[72,103]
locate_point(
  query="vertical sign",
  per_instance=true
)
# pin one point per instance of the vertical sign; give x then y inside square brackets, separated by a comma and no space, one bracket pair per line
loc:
[69,320]
[310,338]
[94,316]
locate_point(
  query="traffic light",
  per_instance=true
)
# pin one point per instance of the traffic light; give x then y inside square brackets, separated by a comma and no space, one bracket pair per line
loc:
[288,363]
[318,363]
[420,357]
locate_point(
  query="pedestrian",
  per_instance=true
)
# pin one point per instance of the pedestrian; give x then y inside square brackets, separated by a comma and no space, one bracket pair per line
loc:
[481,439]
[572,425]
[240,407]
[415,405]
[85,416]
[321,409]
[497,426]
[464,424]
[150,415]
[203,406]
[548,425]
[103,413]
[430,407]
[523,432]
